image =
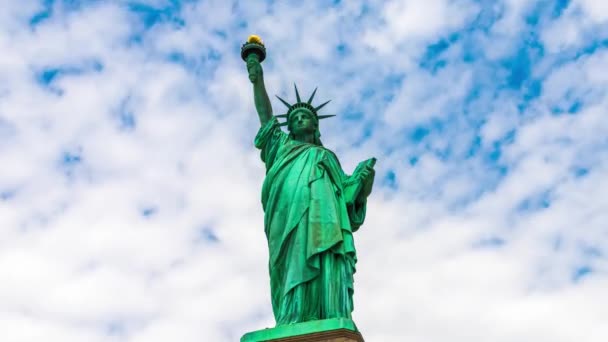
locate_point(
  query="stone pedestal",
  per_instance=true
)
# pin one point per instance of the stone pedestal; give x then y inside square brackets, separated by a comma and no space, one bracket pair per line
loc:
[327,330]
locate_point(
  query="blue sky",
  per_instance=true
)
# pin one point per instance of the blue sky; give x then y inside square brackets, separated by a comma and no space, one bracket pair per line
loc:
[130,188]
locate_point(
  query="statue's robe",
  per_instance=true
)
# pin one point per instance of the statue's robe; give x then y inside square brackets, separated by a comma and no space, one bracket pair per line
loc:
[310,216]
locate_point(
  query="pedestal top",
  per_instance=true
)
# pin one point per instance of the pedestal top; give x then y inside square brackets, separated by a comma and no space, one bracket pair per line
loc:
[327,330]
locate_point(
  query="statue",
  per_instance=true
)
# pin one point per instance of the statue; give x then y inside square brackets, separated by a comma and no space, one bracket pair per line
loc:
[311,207]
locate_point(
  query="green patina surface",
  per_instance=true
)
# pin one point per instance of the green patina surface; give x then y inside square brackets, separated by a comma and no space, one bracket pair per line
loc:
[312,208]
[297,329]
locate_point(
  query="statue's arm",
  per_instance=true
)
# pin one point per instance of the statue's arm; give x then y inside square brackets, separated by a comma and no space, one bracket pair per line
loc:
[367,176]
[356,190]
[260,96]
[358,186]
[363,178]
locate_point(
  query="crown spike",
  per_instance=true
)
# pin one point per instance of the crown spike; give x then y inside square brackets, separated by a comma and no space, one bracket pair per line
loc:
[297,94]
[284,102]
[322,105]
[312,96]
[284,123]
[282,115]
[321,117]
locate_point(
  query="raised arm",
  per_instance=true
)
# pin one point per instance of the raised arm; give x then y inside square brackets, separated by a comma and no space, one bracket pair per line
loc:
[260,96]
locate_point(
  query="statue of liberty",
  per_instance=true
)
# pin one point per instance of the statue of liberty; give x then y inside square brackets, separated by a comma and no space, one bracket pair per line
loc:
[311,207]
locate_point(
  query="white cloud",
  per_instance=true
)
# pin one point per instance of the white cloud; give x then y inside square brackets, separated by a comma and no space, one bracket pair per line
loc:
[596,10]
[408,22]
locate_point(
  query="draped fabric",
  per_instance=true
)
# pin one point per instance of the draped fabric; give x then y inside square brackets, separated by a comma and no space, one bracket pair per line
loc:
[309,223]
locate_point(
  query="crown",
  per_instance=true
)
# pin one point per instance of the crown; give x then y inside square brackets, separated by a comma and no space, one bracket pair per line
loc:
[302,105]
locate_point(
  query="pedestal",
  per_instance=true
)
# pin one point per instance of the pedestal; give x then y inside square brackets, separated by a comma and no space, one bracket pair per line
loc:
[327,330]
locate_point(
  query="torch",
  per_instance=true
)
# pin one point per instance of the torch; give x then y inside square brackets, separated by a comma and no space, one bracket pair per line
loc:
[253,48]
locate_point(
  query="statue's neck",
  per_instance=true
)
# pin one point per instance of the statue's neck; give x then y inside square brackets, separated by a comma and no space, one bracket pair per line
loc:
[305,138]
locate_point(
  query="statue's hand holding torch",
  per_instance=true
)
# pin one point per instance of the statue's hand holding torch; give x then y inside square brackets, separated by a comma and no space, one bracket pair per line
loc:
[254,68]
[253,53]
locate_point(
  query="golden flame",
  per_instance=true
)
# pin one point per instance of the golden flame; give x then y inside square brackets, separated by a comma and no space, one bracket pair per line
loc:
[255,39]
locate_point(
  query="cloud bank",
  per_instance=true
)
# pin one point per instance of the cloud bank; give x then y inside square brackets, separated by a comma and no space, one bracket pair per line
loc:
[129,184]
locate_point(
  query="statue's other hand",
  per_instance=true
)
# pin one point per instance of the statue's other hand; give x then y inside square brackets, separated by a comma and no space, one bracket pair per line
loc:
[255,69]
[367,175]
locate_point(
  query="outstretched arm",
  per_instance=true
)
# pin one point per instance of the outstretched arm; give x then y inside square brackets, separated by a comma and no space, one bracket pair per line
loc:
[260,96]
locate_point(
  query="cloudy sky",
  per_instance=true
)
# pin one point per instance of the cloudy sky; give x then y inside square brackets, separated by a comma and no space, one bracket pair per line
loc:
[130,188]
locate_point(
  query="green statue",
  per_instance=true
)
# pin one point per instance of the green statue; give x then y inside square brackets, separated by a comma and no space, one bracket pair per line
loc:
[312,207]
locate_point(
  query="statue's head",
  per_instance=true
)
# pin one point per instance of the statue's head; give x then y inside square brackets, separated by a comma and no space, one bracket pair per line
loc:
[302,121]
[302,117]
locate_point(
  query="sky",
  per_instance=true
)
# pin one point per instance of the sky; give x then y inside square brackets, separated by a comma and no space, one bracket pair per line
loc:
[130,187]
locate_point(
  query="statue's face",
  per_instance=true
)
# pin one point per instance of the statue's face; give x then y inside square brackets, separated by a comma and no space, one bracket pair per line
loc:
[302,122]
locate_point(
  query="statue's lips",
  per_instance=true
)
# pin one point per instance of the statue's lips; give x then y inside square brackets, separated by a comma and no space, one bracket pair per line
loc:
[302,126]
